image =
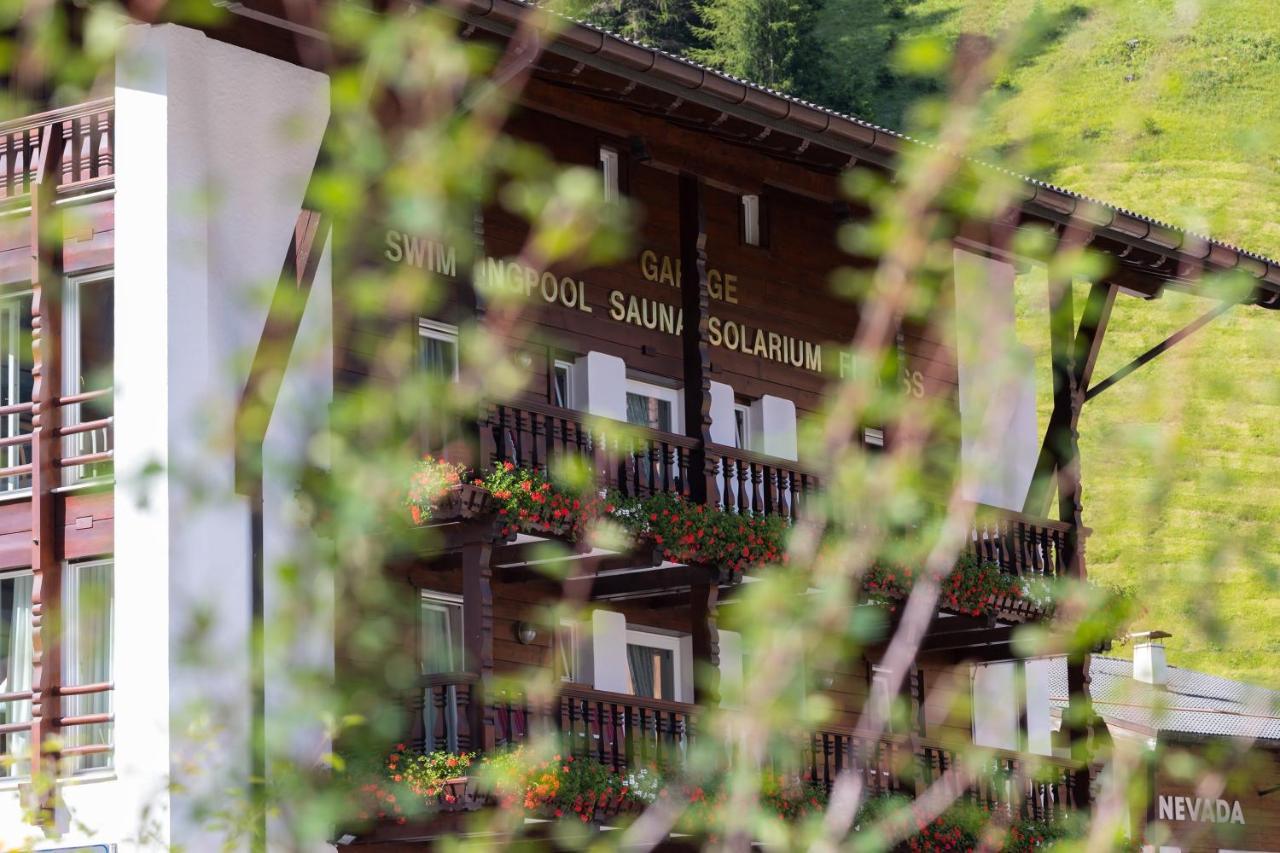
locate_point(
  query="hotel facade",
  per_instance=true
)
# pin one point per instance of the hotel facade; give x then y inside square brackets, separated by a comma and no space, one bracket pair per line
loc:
[707,349]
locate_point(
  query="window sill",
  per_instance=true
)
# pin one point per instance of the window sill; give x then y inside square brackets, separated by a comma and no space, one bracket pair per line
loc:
[106,774]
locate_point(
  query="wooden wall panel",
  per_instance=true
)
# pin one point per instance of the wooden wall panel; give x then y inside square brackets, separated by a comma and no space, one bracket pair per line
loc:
[87,522]
[90,240]
[781,288]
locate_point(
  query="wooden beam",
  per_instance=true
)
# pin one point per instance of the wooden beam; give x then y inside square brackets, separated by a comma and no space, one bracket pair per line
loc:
[477,622]
[1160,348]
[275,344]
[695,302]
[637,582]
[706,642]
[1065,420]
[46,374]
[975,638]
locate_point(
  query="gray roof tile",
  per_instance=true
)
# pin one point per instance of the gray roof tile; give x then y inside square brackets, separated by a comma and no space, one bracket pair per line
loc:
[1193,702]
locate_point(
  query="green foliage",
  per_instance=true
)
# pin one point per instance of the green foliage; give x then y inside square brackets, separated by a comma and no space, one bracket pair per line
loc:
[965,825]
[664,24]
[769,42]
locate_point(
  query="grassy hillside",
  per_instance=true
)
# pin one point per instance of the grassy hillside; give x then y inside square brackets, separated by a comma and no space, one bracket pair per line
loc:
[1167,107]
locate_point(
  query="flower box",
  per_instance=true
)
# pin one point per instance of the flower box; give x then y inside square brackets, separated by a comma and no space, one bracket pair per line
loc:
[461,794]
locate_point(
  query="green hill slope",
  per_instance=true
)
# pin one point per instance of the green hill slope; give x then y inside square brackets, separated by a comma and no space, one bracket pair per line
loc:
[1166,107]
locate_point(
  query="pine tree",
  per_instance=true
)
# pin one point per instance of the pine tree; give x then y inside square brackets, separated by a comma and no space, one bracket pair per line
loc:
[770,42]
[664,24]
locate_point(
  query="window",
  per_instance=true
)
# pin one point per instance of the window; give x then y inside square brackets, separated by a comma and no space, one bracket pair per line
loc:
[88,353]
[15,668]
[741,426]
[573,652]
[873,438]
[87,650]
[86,656]
[610,166]
[440,634]
[15,383]
[751,220]
[439,349]
[881,702]
[653,665]
[561,384]
[653,406]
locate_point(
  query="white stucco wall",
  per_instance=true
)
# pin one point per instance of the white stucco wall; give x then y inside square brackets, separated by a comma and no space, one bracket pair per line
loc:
[995,369]
[214,146]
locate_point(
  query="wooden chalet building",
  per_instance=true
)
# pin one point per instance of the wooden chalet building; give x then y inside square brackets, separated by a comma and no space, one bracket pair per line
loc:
[714,374]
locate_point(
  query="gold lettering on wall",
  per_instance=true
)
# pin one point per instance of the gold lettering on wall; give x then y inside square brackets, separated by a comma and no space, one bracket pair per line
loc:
[666,270]
[492,275]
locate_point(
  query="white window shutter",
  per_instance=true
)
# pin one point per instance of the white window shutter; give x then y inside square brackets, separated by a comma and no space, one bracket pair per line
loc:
[600,385]
[773,427]
[609,652]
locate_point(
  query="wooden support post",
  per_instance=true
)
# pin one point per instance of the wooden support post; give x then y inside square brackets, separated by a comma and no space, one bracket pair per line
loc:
[1072,359]
[477,626]
[694,304]
[703,596]
[1064,421]
[46,372]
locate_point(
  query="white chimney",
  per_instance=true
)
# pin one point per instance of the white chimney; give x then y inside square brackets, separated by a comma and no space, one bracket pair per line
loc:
[1149,664]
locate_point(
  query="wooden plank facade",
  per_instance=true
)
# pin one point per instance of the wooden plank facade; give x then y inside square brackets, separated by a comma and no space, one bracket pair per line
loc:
[759,317]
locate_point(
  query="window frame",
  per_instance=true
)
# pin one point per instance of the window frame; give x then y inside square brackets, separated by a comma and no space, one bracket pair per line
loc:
[71,647]
[17,771]
[443,332]
[570,642]
[610,160]
[742,425]
[444,601]
[666,642]
[558,365]
[71,328]
[11,302]
[663,393]
[752,225]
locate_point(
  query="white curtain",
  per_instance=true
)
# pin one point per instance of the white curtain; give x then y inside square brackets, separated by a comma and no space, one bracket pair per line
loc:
[86,654]
[16,671]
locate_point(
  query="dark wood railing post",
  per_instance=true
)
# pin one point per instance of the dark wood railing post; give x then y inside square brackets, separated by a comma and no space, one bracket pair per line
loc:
[46,588]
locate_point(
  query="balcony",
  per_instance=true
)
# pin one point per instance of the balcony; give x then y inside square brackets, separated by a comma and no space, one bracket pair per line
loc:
[625,732]
[87,161]
[637,462]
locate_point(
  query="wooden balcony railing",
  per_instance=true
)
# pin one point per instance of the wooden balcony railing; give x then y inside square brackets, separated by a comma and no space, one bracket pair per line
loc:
[626,732]
[88,158]
[87,721]
[440,713]
[87,447]
[1032,787]
[638,462]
